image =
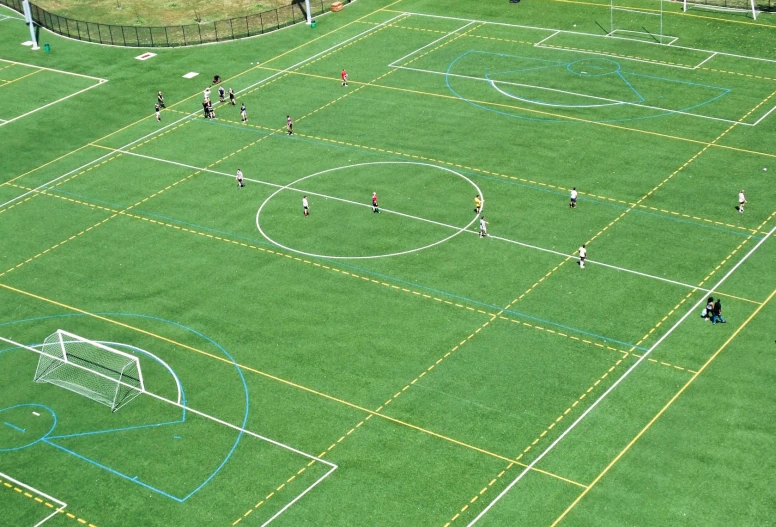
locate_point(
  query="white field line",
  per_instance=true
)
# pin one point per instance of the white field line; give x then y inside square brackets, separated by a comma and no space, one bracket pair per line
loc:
[196,112]
[637,11]
[299,497]
[39,108]
[704,61]
[55,71]
[610,102]
[184,407]
[547,38]
[613,34]
[418,218]
[583,34]
[587,52]
[61,503]
[391,65]
[764,116]
[617,382]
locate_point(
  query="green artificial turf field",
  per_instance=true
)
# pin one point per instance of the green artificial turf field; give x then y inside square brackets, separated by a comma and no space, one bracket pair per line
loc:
[352,368]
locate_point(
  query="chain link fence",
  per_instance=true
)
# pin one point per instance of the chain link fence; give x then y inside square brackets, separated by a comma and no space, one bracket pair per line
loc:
[171,36]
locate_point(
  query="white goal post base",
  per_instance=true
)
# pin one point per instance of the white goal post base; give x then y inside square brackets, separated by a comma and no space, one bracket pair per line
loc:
[101,373]
[737,6]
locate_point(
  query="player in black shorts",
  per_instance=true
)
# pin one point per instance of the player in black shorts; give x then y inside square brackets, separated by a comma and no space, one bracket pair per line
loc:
[289,125]
[160,99]
[157,110]
[206,109]
[221,93]
[231,97]
[210,109]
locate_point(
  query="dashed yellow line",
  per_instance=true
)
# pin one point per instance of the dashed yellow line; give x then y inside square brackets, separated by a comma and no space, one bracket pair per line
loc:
[26,494]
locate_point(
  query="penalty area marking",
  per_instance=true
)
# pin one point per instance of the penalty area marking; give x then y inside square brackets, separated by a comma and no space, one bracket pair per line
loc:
[410,251]
[33,490]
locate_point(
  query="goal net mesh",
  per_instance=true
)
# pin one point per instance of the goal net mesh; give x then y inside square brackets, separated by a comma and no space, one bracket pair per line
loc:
[96,371]
[749,6]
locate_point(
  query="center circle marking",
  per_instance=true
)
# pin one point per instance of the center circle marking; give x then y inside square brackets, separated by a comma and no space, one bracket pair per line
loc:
[290,186]
[593,67]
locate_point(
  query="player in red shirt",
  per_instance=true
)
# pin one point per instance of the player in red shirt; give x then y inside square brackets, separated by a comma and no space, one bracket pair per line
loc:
[375,207]
[344,78]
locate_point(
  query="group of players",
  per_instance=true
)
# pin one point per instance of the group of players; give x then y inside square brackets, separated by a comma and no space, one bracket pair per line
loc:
[207,106]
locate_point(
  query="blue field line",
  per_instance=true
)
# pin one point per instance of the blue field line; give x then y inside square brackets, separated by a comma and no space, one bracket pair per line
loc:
[620,75]
[31,405]
[22,430]
[116,472]
[97,432]
[186,328]
[567,121]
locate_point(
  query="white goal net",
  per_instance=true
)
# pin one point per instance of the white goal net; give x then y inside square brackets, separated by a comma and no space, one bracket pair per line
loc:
[94,370]
[745,6]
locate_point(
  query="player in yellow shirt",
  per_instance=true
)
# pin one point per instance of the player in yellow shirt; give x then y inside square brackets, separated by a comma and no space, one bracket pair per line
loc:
[477,203]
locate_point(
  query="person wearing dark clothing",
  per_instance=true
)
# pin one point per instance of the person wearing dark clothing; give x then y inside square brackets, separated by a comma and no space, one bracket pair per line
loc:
[717,313]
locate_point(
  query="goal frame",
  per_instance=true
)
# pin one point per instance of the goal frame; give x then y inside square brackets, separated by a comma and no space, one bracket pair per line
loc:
[613,7]
[114,405]
[687,4]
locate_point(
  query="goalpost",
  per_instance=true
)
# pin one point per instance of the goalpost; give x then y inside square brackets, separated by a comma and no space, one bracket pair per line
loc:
[745,6]
[101,373]
[635,23]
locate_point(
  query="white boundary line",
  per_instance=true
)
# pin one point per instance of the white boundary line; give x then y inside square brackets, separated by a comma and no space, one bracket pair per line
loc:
[522,244]
[611,102]
[332,466]
[54,70]
[705,60]
[616,383]
[391,65]
[612,34]
[187,408]
[51,103]
[62,504]
[546,38]
[584,34]
[44,185]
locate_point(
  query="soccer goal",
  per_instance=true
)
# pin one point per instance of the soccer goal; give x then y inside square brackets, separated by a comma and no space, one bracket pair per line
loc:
[101,373]
[633,23]
[740,6]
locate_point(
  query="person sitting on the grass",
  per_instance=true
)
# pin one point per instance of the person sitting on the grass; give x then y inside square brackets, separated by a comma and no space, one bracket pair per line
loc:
[216,79]
[708,310]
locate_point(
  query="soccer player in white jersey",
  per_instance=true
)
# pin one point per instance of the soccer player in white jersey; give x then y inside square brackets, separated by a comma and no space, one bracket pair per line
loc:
[240,183]
[582,256]
[741,201]
[573,202]
[305,206]
[483,227]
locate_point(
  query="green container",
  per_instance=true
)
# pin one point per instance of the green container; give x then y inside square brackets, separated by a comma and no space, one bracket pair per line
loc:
[46,47]
[312,24]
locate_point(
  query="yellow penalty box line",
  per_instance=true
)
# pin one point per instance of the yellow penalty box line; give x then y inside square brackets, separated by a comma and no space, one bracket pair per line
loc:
[275,378]
[43,502]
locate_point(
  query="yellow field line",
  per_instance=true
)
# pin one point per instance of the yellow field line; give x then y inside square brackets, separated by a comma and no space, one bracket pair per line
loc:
[307,43]
[679,13]
[663,410]
[22,77]
[26,494]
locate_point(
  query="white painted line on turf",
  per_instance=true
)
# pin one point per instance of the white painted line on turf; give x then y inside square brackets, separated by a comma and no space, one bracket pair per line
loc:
[546,38]
[54,70]
[51,103]
[412,13]
[616,383]
[612,102]
[62,504]
[192,113]
[769,112]
[392,64]
[308,489]
[185,407]
[44,185]
[410,216]
[458,230]
[704,61]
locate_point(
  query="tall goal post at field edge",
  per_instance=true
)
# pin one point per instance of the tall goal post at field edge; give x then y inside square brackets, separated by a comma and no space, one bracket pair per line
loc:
[739,6]
[634,23]
[94,370]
